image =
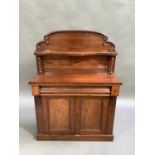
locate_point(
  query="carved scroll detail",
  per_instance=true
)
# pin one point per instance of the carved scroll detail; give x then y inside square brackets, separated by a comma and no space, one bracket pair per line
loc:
[47,41]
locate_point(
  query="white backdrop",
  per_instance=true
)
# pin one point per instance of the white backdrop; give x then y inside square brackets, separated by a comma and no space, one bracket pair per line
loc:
[115,18]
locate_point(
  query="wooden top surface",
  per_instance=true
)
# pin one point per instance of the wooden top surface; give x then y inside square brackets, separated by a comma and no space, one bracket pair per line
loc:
[75,43]
[73,78]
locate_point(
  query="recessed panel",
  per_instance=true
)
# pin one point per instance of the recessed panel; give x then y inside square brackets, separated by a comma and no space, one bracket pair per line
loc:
[59,114]
[91,114]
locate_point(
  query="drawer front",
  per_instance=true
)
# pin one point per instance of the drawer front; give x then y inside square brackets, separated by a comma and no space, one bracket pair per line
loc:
[75,91]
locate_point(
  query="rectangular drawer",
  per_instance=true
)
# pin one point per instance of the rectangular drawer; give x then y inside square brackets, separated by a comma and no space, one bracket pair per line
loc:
[75,91]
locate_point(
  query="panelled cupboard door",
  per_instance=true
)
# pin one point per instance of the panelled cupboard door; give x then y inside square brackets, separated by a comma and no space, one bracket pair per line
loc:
[75,115]
[59,113]
[91,114]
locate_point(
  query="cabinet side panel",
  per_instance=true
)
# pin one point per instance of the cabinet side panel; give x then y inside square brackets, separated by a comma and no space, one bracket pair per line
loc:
[105,104]
[111,114]
[39,114]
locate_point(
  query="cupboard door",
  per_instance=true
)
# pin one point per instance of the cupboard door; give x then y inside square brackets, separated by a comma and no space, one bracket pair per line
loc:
[59,113]
[91,115]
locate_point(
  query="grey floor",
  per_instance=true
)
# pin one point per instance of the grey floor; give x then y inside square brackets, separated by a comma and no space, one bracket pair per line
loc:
[123,143]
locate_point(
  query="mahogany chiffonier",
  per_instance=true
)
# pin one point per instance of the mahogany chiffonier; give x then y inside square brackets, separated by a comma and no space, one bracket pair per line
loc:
[75,88]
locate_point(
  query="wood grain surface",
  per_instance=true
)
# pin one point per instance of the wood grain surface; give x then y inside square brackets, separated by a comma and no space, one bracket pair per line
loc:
[75,88]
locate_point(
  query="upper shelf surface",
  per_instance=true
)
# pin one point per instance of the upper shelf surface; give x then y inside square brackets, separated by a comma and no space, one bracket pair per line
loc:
[75,43]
